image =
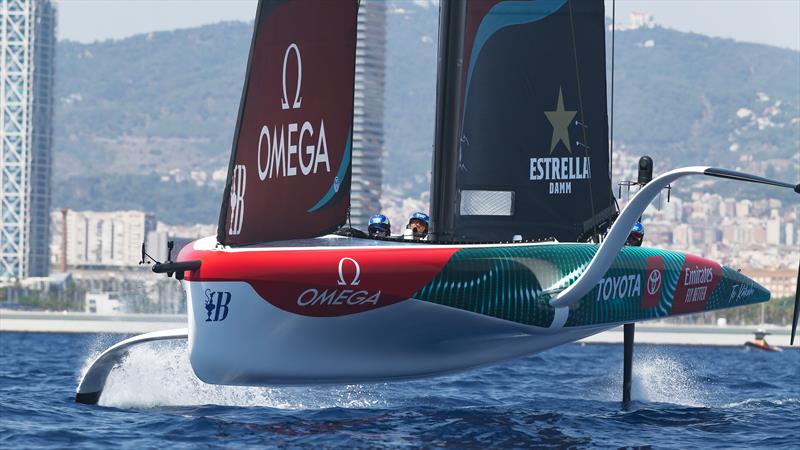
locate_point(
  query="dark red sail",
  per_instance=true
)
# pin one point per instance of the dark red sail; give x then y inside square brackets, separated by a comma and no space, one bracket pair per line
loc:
[289,173]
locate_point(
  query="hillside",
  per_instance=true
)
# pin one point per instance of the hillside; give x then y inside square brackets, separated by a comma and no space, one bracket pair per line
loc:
[169,99]
[160,109]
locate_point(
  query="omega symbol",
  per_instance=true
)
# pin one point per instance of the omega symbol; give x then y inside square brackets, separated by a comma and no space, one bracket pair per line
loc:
[356,278]
[297,98]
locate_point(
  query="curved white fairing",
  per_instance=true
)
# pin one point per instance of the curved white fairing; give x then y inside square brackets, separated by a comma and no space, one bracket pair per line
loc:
[618,234]
[94,380]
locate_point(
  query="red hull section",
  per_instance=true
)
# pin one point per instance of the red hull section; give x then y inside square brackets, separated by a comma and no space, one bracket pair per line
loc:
[324,282]
[697,280]
[762,346]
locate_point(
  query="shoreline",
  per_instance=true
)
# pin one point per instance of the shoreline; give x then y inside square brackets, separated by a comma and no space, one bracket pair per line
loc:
[646,333]
[77,322]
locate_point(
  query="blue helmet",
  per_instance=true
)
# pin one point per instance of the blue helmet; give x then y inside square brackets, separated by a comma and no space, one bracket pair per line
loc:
[421,216]
[638,228]
[419,219]
[379,224]
[636,235]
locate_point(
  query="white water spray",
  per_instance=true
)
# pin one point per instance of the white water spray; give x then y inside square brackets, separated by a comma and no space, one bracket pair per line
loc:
[160,374]
[659,377]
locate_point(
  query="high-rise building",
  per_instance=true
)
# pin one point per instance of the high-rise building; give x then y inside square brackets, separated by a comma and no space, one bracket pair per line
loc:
[368,112]
[103,239]
[27,46]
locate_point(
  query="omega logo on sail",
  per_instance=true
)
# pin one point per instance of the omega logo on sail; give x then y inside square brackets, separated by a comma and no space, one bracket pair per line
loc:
[341,297]
[284,148]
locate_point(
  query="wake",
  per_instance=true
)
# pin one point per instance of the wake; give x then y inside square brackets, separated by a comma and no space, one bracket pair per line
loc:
[160,374]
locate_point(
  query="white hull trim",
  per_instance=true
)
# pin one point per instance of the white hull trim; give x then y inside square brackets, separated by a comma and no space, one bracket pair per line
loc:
[259,344]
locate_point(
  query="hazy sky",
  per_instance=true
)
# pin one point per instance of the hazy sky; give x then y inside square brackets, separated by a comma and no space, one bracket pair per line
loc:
[774,22]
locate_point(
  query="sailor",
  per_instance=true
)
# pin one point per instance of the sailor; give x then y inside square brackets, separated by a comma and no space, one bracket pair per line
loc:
[418,225]
[636,235]
[379,226]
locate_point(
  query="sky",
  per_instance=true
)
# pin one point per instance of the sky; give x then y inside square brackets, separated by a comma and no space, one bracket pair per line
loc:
[773,22]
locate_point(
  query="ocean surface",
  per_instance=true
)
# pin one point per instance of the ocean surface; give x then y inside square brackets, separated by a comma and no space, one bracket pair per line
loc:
[568,397]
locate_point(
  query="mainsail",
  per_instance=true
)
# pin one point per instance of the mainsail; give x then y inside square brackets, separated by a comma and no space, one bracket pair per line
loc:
[289,172]
[521,137]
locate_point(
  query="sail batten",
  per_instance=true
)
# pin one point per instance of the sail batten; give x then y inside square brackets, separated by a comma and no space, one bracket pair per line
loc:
[529,121]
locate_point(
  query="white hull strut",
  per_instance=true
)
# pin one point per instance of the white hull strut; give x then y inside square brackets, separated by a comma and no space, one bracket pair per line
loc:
[91,386]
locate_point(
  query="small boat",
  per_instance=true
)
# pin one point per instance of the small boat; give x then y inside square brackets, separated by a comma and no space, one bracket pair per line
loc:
[760,343]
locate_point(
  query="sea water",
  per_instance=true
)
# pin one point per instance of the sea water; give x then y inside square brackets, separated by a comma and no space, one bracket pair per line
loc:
[568,397]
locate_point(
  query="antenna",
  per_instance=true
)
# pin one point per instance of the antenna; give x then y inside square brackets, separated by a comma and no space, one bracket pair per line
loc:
[145,256]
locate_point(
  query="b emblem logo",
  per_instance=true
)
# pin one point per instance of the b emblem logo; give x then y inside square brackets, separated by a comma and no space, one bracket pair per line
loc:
[238,185]
[356,278]
[217,303]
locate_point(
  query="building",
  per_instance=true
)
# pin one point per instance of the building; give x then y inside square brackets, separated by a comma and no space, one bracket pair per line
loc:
[105,303]
[367,158]
[27,46]
[636,20]
[773,231]
[100,239]
[780,283]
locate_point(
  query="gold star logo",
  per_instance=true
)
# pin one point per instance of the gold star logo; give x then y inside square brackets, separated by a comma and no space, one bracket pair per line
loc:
[560,120]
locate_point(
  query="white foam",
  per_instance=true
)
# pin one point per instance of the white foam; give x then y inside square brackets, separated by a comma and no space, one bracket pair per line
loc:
[756,403]
[660,377]
[160,374]
[98,345]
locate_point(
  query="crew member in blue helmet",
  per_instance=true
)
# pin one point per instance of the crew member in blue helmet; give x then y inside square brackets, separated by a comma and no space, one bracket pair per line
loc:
[379,226]
[636,235]
[418,225]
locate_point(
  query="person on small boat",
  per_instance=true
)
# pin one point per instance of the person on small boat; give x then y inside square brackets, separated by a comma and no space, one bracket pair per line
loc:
[379,226]
[760,342]
[418,225]
[636,235]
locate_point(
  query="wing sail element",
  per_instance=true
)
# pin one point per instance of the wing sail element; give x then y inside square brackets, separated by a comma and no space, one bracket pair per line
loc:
[615,239]
[289,172]
[522,132]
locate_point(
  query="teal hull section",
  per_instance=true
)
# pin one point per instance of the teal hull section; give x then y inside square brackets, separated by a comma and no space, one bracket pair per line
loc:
[516,283]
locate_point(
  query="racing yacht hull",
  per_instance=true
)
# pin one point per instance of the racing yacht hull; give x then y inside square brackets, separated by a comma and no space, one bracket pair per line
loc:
[355,310]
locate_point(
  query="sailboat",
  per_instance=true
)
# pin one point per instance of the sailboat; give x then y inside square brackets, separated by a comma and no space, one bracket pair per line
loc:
[527,248]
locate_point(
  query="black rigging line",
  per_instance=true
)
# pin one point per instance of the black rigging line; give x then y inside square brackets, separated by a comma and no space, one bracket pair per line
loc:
[583,121]
[611,132]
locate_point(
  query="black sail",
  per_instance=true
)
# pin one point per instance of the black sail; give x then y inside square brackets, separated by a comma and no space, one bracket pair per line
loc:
[522,131]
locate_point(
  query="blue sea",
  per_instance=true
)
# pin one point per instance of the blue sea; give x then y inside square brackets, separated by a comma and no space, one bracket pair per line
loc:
[568,397]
